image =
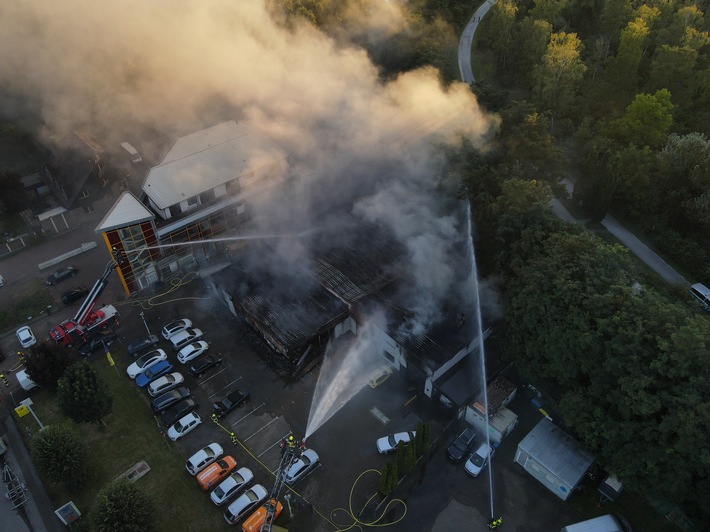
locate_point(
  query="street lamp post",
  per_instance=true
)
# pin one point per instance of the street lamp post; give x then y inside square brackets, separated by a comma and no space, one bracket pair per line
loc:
[144,323]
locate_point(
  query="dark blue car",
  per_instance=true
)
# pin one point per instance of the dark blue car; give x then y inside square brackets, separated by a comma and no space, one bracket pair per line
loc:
[153,372]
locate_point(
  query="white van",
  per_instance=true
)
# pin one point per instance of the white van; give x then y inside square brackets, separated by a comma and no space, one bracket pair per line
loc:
[132,152]
[702,294]
[605,523]
[25,381]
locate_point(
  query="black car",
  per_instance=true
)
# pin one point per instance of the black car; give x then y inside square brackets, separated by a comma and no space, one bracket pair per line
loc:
[62,274]
[97,342]
[203,363]
[178,411]
[229,403]
[74,294]
[168,399]
[142,344]
[461,446]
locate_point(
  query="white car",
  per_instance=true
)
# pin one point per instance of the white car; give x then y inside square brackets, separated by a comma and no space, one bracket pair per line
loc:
[308,461]
[185,425]
[202,458]
[165,383]
[26,337]
[174,327]
[245,503]
[146,361]
[478,460]
[191,351]
[388,444]
[231,485]
[185,337]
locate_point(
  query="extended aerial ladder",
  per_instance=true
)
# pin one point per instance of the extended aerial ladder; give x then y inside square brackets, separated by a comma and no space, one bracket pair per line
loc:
[290,452]
[87,320]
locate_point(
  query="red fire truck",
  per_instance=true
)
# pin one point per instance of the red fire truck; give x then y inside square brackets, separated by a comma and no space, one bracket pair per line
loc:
[88,320]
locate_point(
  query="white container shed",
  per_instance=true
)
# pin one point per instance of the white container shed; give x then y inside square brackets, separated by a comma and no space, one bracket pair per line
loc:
[554,458]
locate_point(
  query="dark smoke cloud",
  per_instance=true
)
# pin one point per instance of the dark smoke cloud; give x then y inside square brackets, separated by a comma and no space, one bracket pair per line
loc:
[360,148]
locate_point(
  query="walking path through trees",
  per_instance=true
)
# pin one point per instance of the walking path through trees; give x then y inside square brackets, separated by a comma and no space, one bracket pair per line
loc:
[626,237]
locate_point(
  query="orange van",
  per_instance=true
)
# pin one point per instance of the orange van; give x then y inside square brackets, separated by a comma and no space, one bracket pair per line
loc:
[256,520]
[216,472]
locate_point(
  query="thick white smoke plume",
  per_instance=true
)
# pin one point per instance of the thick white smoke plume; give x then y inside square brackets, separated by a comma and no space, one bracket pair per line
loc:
[369,148]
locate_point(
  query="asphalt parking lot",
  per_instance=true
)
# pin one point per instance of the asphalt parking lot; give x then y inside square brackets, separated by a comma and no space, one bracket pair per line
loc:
[442,497]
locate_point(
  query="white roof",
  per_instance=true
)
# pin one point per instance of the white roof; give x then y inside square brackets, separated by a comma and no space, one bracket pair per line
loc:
[206,159]
[52,212]
[126,211]
[557,451]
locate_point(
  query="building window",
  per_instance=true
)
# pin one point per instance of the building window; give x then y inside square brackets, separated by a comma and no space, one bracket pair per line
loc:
[194,200]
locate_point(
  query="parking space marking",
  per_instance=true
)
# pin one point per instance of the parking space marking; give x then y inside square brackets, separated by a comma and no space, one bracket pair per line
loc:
[247,415]
[273,445]
[227,386]
[213,376]
[262,428]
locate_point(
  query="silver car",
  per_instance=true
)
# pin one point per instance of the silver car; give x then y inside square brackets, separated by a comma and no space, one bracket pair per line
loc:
[231,485]
[165,383]
[308,461]
[245,503]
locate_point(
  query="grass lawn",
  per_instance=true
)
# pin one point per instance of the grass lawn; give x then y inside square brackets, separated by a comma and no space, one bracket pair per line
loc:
[132,435]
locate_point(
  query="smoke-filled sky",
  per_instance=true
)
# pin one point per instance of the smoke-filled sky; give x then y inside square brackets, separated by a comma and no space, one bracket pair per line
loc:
[371,147]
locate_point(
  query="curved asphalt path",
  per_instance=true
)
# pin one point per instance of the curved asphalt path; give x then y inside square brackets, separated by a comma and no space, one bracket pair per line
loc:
[466,41]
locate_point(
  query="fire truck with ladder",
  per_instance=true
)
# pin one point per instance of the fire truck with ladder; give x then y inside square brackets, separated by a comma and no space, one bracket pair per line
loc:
[88,321]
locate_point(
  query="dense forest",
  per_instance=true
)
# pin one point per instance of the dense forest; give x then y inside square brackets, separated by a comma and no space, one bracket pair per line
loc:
[615,96]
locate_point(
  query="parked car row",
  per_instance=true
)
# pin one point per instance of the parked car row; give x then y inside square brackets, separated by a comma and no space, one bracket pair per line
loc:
[232,487]
[463,444]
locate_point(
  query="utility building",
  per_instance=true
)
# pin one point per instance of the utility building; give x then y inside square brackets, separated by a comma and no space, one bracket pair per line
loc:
[554,458]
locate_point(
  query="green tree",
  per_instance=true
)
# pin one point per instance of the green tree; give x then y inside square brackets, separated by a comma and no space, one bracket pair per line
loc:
[123,506]
[528,142]
[46,363]
[648,405]
[498,30]
[549,10]
[672,68]
[426,438]
[83,395]
[410,459]
[531,40]
[565,285]
[401,459]
[389,479]
[558,77]
[647,120]
[622,72]
[684,178]
[60,455]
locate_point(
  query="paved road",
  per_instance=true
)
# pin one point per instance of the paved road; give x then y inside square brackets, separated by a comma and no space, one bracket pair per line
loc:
[642,251]
[467,40]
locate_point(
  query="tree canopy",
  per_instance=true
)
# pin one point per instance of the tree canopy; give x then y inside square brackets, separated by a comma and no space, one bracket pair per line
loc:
[60,455]
[123,506]
[83,395]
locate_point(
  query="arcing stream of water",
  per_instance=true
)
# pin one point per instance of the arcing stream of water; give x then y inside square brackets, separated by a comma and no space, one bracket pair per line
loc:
[478,332]
[342,375]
